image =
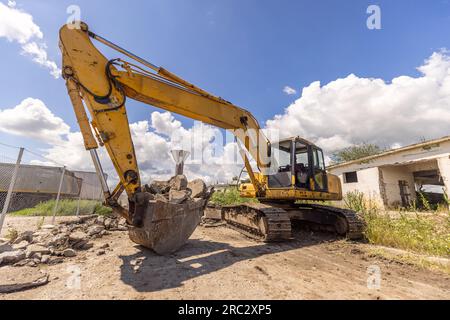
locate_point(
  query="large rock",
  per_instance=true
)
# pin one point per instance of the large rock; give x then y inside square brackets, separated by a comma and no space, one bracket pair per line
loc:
[198,188]
[11,257]
[45,259]
[178,197]
[78,236]
[95,230]
[6,248]
[48,227]
[21,246]
[158,187]
[178,183]
[59,240]
[69,253]
[161,198]
[34,249]
[25,236]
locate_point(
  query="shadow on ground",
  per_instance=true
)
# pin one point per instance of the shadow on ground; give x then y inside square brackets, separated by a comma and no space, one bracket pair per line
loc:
[201,257]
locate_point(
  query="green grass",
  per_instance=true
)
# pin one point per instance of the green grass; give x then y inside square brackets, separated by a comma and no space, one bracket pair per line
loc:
[65,208]
[230,196]
[417,232]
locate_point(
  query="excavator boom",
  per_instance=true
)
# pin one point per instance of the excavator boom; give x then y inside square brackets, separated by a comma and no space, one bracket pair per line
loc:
[105,85]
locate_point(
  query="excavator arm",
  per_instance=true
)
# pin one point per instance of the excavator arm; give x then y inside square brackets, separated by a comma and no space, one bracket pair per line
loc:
[102,86]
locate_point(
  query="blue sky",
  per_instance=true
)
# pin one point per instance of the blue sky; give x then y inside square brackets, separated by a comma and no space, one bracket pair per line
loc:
[245,51]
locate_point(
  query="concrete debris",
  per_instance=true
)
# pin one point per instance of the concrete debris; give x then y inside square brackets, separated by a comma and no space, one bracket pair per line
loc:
[178,183]
[25,236]
[137,263]
[48,227]
[161,198]
[69,253]
[173,215]
[6,247]
[21,246]
[158,187]
[11,257]
[45,259]
[36,249]
[178,197]
[52,244]
[198,188]
[77,236]
[95,230]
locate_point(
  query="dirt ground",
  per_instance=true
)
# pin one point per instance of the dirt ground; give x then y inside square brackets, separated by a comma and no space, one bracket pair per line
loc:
[219,263]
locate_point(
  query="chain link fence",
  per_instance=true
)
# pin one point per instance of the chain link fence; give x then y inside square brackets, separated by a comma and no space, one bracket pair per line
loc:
[33,185]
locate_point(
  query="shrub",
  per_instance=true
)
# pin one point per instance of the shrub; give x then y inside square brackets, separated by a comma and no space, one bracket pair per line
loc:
[230,196]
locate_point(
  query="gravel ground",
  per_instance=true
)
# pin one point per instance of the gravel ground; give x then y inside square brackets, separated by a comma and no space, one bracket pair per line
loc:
[219,263]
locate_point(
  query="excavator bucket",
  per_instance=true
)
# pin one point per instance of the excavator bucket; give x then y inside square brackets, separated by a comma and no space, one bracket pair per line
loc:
[167,226]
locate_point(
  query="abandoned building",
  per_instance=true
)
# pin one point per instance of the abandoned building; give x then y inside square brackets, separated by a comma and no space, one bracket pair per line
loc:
[37,184]
[393,178]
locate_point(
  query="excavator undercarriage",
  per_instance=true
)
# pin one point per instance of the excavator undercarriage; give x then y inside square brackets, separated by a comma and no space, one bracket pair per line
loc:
[272,222]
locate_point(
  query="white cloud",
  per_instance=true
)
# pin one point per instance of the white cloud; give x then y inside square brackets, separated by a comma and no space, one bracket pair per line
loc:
[153,141]
[31,118]
[337,115]
[18,26]
[354,109]
[165,123]
[39,54]
[289,91]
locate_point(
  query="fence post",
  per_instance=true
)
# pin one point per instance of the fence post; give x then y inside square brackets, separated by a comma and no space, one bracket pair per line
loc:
[55,208]
[79,199]
[11,188]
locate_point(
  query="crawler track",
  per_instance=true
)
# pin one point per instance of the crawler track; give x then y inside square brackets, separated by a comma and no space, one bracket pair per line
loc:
[272,222]
[260,222]
[348,223]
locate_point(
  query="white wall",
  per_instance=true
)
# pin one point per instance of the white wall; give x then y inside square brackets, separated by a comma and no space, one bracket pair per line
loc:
[391,176]
[368,183]
[444,168]
[402,157]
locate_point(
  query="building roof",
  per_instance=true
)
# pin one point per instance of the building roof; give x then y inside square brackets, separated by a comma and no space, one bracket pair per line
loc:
[392,151]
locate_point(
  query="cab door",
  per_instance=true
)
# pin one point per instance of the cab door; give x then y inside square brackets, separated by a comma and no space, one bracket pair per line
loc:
[319,174]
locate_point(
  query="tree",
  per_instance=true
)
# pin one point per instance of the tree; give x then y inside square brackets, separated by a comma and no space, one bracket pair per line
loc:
[356,152]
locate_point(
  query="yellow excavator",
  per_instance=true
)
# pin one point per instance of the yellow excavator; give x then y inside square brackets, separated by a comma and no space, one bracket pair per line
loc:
[291,177]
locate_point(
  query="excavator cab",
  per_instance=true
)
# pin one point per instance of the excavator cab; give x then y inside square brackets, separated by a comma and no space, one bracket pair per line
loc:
[300,165]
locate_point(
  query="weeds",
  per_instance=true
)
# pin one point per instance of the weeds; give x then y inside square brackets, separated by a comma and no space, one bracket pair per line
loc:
[410,231]
[12,235]
[424,203]
[40,223]
[356,201]
[415,232]
[65,208]
[230,196]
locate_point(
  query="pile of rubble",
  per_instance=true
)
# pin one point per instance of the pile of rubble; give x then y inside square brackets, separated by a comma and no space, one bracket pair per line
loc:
[178,190]
[52,244]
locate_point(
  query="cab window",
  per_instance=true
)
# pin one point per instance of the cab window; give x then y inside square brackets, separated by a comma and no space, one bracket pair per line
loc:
[319,162]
